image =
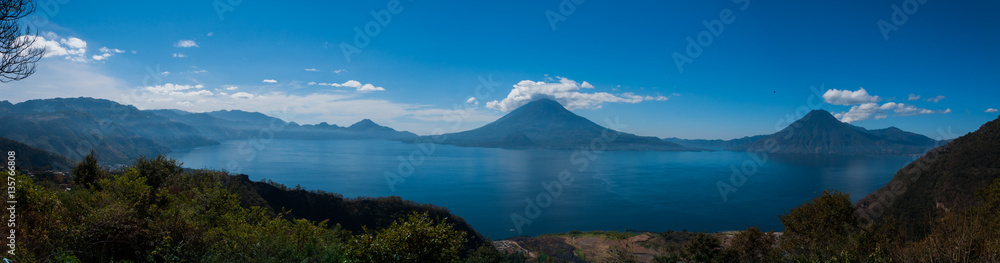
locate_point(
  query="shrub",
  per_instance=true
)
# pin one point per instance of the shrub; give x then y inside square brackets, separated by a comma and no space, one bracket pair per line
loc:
[414,239]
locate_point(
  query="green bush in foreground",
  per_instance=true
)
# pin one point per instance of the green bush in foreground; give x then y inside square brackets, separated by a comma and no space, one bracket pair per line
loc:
[415,239]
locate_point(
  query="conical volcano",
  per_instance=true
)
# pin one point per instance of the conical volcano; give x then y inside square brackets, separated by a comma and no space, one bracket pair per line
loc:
[546,124]
[819,132]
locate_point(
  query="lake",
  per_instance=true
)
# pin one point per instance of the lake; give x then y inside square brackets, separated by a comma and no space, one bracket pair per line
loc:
[504,193]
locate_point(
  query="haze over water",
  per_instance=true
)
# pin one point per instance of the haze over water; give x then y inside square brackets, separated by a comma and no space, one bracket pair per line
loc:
[652,191]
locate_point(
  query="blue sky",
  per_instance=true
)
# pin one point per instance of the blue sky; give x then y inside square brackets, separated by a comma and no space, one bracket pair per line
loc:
[608,59]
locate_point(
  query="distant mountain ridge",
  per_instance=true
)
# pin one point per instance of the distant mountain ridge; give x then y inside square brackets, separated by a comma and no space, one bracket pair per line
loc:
[715,144]
[121,133]
[819,132]
[236,124]
[546,124]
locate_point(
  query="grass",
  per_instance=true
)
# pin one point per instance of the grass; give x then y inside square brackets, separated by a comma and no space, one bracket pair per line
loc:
[610,235]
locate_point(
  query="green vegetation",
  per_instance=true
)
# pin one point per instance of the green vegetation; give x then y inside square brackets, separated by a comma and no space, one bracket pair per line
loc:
[154,211]
[416,239]
[827,229]
[610,235]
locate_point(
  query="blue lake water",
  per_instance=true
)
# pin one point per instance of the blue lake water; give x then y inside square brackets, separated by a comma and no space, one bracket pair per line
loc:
[651,191]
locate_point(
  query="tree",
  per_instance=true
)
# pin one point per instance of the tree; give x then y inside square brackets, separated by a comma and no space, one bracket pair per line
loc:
[820,229]
[753,245]
[157,170]
[88,172]
[416,238]
[703,248]
[17,56]
[485,254]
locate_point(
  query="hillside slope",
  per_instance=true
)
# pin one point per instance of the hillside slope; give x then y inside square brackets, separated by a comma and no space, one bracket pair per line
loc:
[945,178]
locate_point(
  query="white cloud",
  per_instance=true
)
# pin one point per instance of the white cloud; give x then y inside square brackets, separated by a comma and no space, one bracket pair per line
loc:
[312,69]
[472,100]
[913,97]
[991,110]
[242,95]
[586,85]
[106,53]
[936,99]
[270,81]
[165,73]
[231,87]
[311,83]
[847,97]
[354,84]
[210,34]
[868,111]
[567,92]
[198,71]
[179,55]
[339,71]
[71,48]
[192,93]
[370,87]
[111,50]
[74,43]
[185,44]
[168,88]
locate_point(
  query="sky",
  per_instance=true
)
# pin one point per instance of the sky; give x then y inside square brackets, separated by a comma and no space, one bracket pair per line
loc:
[687,69]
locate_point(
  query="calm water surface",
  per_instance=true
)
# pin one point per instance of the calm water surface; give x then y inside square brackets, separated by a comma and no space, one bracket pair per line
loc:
[653,191]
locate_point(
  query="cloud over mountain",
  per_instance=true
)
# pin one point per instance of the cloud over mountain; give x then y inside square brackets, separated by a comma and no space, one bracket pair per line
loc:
[567,92]
[847,97]
[865,106]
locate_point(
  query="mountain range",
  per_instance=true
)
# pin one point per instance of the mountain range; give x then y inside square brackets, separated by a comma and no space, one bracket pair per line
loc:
[72,127]
[819,132]
[546,124]
[714,144]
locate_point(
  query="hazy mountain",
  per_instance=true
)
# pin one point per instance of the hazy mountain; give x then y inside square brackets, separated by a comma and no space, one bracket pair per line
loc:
[364,129]
[28,156]
[546,124]
[715,144]
[821,133]
[254,118]
[946,177]
[120,133]
[72,127]
[235,124]
[132,120]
